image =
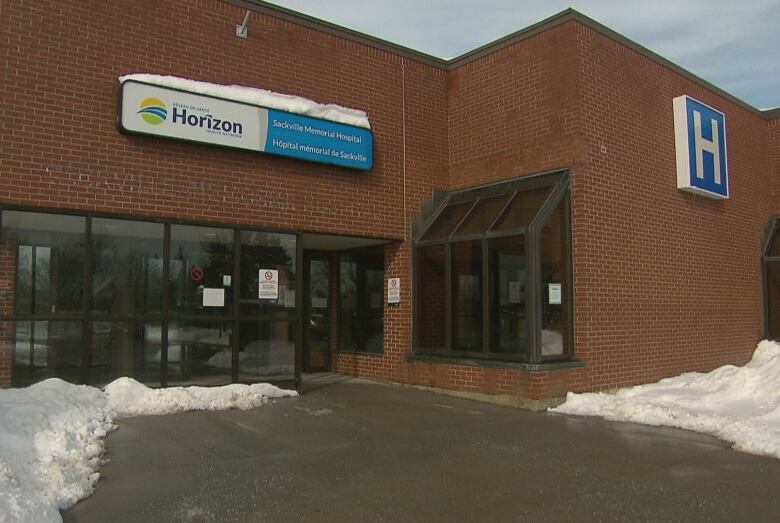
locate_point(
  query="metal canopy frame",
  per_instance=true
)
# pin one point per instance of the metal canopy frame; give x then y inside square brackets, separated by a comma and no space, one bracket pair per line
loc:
[558,183]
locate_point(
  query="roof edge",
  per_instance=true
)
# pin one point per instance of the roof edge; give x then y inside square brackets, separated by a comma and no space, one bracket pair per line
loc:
[555,20]
[311,22]
[606,31]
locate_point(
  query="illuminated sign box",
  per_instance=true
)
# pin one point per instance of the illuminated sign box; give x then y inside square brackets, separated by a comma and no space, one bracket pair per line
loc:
[171,113]
[700,146]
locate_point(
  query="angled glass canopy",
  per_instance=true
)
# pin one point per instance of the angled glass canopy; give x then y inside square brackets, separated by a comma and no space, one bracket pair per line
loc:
[493,273]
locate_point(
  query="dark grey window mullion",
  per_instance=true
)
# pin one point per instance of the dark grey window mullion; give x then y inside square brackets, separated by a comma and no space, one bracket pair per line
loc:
[766,245]
[766,248]
[503,211]
[462,220]
[533,304]
[165,306]
[299,294]
[570,275]
[486,289]
[448,296]
[236,288]
[86,298]
[415,301]
[433,219]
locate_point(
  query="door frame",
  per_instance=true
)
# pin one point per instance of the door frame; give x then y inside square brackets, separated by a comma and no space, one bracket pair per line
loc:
[308,256]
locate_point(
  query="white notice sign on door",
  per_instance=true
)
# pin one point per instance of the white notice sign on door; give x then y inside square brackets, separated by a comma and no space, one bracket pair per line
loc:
[268,287]
[554,293]
[394,292]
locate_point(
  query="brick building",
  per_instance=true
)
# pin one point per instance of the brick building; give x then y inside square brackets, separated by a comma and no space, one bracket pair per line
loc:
[524,194]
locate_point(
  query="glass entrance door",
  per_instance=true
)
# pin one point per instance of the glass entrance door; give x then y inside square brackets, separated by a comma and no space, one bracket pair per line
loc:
[316,330]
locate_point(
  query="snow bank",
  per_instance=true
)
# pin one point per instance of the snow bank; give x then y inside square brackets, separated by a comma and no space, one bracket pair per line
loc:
[740,405]
[51,435]
[50,446]
[261,97]
[127,397]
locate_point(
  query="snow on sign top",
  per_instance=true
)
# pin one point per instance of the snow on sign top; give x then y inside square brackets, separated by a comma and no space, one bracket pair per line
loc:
[260,97]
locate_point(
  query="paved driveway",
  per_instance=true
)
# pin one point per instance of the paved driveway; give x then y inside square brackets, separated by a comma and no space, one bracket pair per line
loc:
[351,450]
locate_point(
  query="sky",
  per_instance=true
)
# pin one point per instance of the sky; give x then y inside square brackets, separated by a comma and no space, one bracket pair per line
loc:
[732,44]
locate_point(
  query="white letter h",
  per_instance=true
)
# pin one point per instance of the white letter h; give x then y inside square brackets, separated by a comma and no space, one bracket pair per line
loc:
[702,144]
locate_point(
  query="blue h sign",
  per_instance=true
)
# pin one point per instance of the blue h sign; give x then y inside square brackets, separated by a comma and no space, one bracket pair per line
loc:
[700,143]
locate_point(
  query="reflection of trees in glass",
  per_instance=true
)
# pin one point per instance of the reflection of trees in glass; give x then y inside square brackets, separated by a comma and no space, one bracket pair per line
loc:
[266,251]
[208,249]
[49,279]
[127,269]
[24,286]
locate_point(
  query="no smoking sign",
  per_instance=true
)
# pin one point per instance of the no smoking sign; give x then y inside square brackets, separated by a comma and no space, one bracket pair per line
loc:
[268,285]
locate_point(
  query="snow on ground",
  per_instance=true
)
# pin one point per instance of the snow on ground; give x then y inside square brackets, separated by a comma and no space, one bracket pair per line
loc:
[127,397]
[255,96]
[740,405]
[51,435]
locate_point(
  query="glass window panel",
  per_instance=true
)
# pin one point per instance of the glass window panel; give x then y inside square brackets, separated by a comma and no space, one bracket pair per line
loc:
[23,292]
[267,348]
[124,348]
[482,217]
[447,220]
[317,323]
[349,335]
[199,352]
[431,300]
[7,345]
[774,248]
[554,250]
[773,298]
[522,210]
[49,272]
[361,301]
[201,257]
[467,296]
[262,251]
[508,327]
[373,311]
[44,349]
[127,266]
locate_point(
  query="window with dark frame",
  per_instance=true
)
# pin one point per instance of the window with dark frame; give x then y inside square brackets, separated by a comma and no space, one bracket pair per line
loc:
[93,298]
[772,281]
[493,273]
[360,302]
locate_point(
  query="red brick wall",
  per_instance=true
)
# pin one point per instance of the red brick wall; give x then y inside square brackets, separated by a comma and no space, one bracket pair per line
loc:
[515,111]
[68,83]
[62,149]
[665,281]
[774,134]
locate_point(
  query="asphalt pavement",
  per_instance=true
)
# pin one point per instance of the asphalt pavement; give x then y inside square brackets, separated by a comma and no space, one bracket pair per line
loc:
[353,450]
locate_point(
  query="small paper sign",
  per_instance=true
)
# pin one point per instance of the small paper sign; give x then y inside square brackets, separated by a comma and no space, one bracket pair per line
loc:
[394,292]
[554,293]
[213,297]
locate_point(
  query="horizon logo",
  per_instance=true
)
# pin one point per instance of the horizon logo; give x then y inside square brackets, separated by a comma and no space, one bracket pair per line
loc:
[153,111]
[700,144]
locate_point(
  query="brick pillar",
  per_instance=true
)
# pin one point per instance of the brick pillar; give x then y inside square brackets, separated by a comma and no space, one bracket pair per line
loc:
[7,271]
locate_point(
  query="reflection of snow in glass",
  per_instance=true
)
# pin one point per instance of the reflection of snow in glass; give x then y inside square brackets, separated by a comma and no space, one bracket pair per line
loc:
[259,357]
[186,335]
[374,343]
[22,355]
[552,343]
